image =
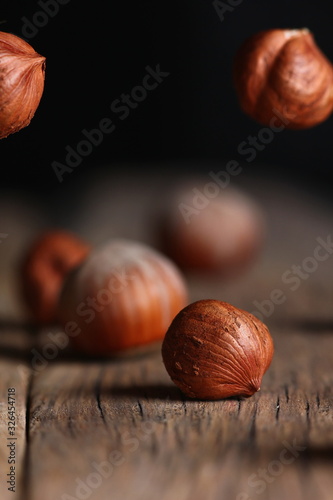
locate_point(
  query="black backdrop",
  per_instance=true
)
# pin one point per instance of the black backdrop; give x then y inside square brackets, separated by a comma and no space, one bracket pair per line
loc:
[98,50]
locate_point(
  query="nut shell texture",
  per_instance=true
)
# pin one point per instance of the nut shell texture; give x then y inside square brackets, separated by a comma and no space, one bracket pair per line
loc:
[22,73]
[282,73]
[123,296]
[213,350]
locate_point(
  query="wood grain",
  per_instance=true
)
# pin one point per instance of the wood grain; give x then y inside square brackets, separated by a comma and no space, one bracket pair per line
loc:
[166,446]
[15,378]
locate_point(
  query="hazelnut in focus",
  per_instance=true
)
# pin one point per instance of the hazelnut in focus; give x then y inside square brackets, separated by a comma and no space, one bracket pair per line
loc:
[221,234]
[51,256]
[22,72]
[282,78]
[213,350]
[123,296]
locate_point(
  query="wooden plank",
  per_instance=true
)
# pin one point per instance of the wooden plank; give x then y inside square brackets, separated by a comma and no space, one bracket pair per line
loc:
[14,383]
[123,419]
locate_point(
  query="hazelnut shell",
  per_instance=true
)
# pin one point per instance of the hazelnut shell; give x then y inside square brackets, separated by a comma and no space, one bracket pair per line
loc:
[282,78]
[213,350]
[22,74]
[51,256]
[123,296]
[225,236]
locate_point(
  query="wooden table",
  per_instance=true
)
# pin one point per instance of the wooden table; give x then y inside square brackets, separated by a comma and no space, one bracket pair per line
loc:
[118,428]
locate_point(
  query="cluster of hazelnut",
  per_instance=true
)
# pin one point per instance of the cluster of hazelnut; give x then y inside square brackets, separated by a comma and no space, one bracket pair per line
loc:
[125,294]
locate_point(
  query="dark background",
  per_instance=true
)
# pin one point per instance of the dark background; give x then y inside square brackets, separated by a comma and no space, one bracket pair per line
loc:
[98,50]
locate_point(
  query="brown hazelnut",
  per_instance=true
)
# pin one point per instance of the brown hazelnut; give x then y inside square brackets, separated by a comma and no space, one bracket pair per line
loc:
[224,235]
[282,78]
[22,73]
[213,350]
[51,256]
[124,295]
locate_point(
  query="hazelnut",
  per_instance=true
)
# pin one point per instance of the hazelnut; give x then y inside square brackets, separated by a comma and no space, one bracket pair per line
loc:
[225,235]
[22,73]
[213,350]
[124,295]
[51,256]
[282,78]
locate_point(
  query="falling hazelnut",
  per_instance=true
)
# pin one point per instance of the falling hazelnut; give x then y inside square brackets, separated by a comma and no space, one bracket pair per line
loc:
[213,350]
[223,234]
[22,73]
[51,256]
[124,295]
[282,78]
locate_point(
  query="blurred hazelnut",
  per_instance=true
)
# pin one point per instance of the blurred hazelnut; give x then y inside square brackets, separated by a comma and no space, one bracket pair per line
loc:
[223,233]
[51,256]
[124,295]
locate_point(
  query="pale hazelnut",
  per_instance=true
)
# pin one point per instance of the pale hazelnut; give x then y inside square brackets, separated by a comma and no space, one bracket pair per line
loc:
[124,295]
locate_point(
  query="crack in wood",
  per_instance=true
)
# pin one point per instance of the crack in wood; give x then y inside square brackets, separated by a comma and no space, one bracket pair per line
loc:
[185,407]
[308,413]
[98,395]
[239,407]
[277,412]
[140,409]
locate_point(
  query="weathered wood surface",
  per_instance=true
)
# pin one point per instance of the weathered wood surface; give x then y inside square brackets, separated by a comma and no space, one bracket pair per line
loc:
[123,419]
[14,390]
[119,429]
